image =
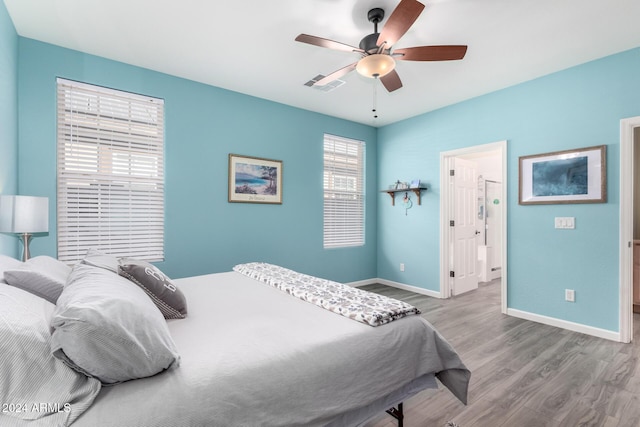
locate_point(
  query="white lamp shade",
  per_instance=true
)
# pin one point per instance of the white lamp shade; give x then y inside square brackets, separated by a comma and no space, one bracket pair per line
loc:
[24,214]
[376,65]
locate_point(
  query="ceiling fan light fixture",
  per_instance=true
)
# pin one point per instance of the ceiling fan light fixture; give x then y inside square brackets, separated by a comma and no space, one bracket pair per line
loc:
[376,65]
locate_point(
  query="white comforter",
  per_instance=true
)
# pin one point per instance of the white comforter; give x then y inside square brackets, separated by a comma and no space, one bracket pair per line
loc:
[253,355]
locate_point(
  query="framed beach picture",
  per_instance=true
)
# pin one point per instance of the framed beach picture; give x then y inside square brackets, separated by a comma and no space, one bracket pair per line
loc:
[254,180]
[571,176]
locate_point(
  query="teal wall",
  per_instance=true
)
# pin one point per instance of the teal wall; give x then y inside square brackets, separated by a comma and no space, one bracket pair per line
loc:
[578,107]
[205,233]
[8,117]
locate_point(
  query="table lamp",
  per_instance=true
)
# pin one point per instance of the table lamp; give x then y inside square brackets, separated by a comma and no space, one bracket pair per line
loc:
[24,215]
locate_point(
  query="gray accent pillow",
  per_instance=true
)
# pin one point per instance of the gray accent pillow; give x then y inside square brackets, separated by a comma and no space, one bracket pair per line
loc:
[42,276]
[99,259]
[29,375]
[106,328]
[163,292]
[7,263]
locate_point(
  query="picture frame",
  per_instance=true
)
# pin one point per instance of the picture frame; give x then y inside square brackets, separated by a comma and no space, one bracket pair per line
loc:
[254,180]
[570,176]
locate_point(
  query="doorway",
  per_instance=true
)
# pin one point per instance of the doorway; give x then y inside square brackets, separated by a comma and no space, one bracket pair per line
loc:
[448,211]
[629,134]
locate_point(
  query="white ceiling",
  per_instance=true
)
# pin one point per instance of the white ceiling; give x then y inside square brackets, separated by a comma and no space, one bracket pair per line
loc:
[249,46]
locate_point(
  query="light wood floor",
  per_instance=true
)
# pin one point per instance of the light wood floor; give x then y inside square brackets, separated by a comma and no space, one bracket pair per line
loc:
[523,373]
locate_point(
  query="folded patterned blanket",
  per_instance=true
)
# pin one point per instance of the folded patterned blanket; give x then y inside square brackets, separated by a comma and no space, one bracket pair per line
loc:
[356,304]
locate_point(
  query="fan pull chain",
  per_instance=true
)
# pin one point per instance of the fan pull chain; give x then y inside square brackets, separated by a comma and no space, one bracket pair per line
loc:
[375,108]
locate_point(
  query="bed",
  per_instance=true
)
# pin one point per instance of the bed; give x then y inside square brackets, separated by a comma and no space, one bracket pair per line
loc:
[252,354]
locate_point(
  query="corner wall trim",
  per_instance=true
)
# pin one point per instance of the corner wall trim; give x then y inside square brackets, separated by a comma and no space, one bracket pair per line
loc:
[627,149]
[564,324]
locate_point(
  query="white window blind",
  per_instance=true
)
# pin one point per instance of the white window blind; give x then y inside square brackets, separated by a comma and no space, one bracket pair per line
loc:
[110,172]
[343,192]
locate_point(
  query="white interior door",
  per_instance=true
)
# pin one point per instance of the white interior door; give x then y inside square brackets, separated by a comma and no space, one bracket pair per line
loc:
[465,245]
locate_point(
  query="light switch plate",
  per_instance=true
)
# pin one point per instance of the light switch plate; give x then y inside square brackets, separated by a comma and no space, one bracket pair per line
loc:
[565,222]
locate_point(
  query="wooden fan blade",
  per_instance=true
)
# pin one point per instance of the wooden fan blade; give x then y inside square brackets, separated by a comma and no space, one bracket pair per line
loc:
[401,19]
[330,44]
[431,53]
[336,74]
[391,81]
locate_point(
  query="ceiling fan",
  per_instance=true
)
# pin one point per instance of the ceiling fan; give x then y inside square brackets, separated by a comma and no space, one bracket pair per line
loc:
[377,58]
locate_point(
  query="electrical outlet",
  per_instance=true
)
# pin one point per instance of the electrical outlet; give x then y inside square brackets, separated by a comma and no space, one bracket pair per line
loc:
[570,295]
[402,266]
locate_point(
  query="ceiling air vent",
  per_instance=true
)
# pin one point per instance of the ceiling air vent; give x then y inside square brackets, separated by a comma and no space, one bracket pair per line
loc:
[324,88]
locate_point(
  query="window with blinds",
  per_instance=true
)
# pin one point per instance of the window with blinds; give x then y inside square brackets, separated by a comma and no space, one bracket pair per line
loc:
[343,192]
[110,172]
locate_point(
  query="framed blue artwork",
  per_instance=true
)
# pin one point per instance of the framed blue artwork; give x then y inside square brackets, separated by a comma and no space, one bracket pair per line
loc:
[254,180]
[571,176]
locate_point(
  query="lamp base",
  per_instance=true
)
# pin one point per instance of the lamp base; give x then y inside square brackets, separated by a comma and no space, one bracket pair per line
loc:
[25,238]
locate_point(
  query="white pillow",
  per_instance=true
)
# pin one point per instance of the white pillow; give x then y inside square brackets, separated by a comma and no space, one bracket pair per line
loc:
[7,263]
[29,375]
[42,276]
[108,328]
[99,259]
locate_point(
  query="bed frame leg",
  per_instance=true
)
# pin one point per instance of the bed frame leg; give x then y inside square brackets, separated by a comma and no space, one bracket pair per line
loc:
[397,414]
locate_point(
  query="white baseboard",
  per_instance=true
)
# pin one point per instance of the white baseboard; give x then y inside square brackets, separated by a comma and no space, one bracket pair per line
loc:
[565,324]
[362,283]
[398,285]
[551,321]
